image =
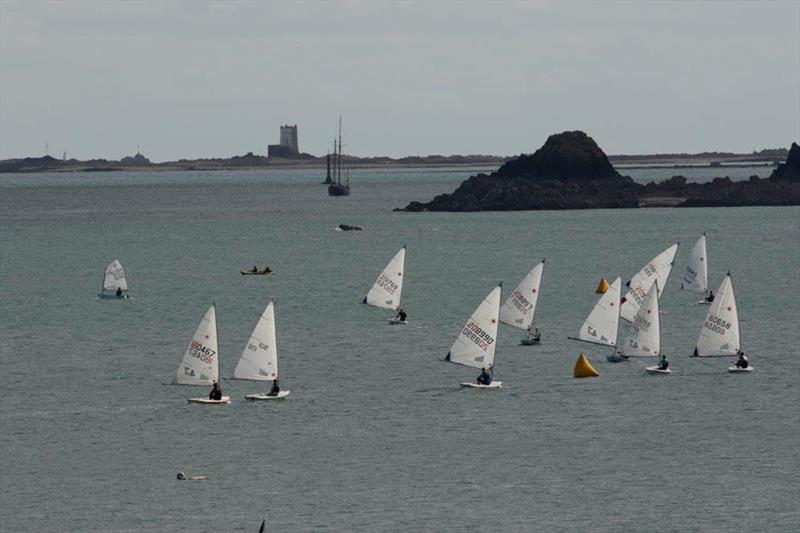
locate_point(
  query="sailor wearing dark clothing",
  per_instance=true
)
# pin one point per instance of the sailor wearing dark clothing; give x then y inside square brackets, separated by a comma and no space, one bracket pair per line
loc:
[275,389]
[401,315]
[255,269]
[485,378]
[710,297]
[216,392]
[742,362]
[119,292]
[662,362]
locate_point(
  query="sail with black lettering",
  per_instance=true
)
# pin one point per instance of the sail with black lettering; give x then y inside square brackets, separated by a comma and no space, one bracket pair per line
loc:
[644,336]
[475,344]
[114,279]
[519,308]
[259,359]
[601,326]
[387,289]
[719,335]
[200,363]
[696,276]
[657,269]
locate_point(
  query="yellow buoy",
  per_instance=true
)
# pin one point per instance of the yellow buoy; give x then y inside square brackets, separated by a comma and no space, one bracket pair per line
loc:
[583,368]
[602,287]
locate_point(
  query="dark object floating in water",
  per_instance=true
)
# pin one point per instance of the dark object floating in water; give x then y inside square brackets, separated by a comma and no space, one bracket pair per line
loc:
[347,227]
[256,272]
[183,477]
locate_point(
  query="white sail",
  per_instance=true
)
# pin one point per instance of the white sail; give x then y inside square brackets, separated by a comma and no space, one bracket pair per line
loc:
[519,308]
[644,336]
[259,360]
[386,290]
[696,276]
[657,269]
[115,277]
[200,363]
[719,335]
[476,342]
[602,323]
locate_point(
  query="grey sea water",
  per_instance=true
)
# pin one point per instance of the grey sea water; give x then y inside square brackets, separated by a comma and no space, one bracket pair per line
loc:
[376,434]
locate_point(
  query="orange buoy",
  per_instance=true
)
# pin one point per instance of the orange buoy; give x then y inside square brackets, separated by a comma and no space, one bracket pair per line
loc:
[602,287]
[583,368]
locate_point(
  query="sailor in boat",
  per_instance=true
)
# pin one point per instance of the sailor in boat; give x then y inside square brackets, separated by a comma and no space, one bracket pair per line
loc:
[267,270]
[485,378]
[710,297]
[663,364]
[254,270]
[742,362]
[401,315]
[119,292]
[275,390]
[534,334]
[216,392]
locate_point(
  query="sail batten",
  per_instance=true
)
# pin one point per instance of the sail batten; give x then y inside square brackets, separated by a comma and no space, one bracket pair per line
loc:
[476,343]
[259,359]
[656,270]
[387,289]
[719,335]
[200,363]
[519,308]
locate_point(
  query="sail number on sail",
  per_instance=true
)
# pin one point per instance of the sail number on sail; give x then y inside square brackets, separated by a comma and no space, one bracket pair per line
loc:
[520,302]
[474,332]
[253,348]
[389,285]
[717,325]
[117,273]
[201,352]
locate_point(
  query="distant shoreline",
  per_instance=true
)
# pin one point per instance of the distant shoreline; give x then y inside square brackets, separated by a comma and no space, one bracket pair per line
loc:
[256,162]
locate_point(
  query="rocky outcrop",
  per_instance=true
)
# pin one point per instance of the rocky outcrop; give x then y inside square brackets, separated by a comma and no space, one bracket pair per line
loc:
[568,172]
[790,170]
[571,172]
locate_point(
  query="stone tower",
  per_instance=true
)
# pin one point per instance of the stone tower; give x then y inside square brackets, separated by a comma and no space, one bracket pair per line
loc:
[289,138]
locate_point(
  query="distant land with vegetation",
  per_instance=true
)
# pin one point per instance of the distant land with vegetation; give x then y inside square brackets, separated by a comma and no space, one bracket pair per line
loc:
[139,162]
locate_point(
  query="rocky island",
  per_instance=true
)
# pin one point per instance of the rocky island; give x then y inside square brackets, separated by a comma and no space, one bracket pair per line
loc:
[570,171]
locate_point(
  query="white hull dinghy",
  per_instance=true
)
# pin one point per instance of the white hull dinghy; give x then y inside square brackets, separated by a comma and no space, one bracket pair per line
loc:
[720,335]
[519,308]
[656,370]
[492,385]
[259,359]
[200,363]
[739,370]
[115,284]
[475,345]
[387,290]
[644,334]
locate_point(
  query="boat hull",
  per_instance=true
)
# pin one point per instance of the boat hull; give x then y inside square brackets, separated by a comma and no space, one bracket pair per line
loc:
[616,358]
[206,401]
[530,342]
[102,296]
[338,190]
[398,322]
[492,385]
[257,397]
[655,370]
[737,370]
[251,273]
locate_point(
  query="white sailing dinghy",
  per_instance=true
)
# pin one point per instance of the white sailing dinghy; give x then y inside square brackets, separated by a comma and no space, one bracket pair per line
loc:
[200,363]
[387,289]
[657,269]
[115,284]
[474,347]
[519,308]
[719,336]
[259,360]
[644,336]
[602,324]
[695,278]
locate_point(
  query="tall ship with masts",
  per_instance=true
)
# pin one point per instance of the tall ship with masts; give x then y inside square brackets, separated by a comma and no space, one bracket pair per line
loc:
[338,188]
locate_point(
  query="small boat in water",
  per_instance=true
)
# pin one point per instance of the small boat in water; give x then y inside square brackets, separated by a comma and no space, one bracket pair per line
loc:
[259,359]
[337,188]
[115,284]
[200,363]
[475,345]
[256,272]
[656,270]
[388,288]
[519,308]
[602,325]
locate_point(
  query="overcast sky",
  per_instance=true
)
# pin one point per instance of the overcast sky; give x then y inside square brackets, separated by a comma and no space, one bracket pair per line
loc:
[213,79]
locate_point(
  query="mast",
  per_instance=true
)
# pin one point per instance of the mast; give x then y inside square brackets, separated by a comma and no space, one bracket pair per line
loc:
[339,172]
[328,160]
